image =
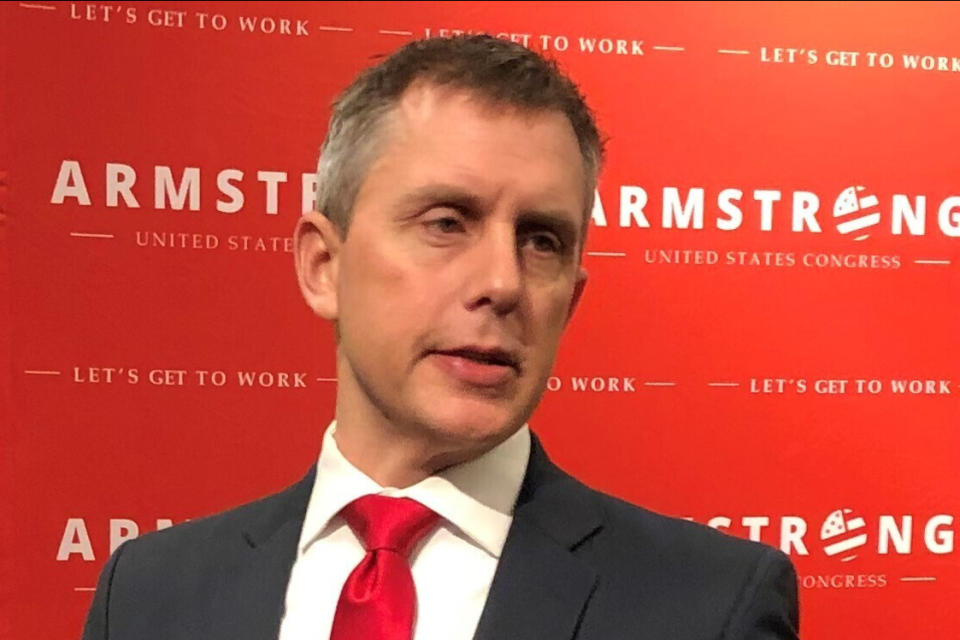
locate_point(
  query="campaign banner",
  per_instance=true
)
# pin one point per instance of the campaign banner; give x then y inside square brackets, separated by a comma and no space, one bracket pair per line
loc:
[768,343]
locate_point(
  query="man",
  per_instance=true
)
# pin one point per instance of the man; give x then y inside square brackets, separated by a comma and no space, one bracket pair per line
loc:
[455,186]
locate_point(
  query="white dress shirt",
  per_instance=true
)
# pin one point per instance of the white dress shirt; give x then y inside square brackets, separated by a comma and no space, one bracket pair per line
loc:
[452,566]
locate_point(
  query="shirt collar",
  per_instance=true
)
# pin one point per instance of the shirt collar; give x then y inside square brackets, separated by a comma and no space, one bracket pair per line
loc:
[476,497]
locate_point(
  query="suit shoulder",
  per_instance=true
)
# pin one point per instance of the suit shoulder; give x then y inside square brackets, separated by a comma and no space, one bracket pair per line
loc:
[697,581]
[679,542]
[196,537]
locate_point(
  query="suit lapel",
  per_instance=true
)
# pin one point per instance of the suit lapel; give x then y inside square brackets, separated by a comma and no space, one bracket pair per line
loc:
[541,588]
[255,598]
[539,591]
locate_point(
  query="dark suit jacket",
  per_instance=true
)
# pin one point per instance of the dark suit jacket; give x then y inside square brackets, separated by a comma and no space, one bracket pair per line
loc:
[576,564]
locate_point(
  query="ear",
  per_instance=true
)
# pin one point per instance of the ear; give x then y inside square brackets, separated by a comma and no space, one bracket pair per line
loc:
[316,250]
[578,288]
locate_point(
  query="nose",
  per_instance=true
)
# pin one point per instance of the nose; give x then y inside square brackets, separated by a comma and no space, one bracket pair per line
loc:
[497,272]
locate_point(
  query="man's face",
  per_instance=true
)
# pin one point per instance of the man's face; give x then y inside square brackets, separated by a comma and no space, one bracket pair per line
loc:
[460,268]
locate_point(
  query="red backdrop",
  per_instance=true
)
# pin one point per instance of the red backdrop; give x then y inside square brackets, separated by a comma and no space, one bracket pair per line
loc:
[760,366]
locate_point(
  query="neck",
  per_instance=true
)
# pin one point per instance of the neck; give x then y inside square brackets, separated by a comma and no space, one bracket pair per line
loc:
[392,455]
[389,461]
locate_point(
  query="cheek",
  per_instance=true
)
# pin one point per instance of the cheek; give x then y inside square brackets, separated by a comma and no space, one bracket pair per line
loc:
[366,272]
[550,319]
[381,295]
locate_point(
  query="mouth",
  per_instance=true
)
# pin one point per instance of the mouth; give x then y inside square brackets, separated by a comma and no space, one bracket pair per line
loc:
[499,357]
[479,366]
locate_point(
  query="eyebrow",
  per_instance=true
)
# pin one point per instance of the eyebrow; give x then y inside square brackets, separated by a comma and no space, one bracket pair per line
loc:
[439,192]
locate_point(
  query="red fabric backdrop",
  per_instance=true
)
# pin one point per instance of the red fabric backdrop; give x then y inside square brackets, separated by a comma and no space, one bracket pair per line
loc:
[766,364]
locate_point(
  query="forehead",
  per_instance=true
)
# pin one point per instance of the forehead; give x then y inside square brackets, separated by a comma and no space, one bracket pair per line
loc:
[456,137]
[424,109]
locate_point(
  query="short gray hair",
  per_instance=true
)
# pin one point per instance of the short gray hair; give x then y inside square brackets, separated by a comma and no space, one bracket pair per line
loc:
[498,70]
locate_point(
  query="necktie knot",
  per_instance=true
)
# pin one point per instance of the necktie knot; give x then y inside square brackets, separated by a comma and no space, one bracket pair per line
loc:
[394,524]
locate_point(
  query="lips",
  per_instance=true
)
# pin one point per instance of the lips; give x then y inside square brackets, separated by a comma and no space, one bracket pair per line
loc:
[484,356]
[478,366]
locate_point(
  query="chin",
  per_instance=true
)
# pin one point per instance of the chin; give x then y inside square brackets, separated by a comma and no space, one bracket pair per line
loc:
[472,424]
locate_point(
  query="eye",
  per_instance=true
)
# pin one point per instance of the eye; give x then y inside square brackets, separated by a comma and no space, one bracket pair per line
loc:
[445,224]
[543,242]
[443,219]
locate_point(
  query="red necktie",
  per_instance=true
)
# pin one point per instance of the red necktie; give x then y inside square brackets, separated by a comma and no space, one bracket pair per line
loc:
[378,601]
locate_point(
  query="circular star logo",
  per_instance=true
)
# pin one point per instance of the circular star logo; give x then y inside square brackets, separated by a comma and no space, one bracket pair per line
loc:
[856,212]
[842,533]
